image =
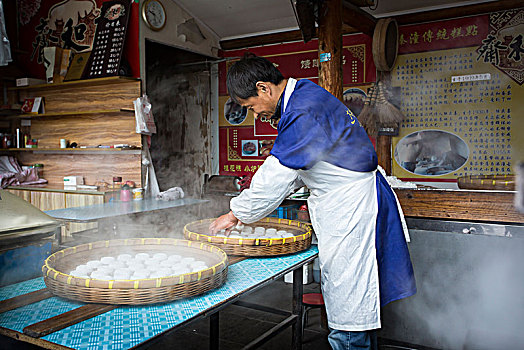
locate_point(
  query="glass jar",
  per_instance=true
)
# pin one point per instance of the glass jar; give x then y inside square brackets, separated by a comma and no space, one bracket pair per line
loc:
[117,182]
[5,140]
[39,169]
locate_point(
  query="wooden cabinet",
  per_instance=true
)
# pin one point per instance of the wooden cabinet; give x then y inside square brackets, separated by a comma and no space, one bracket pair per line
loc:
[48,200]
[26,195]
[82,200]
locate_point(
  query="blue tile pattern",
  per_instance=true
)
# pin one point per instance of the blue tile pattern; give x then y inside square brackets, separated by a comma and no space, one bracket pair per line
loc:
[25,287]
[128,326]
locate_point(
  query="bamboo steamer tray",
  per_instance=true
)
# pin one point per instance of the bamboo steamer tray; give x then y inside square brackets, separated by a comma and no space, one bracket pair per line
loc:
[134,292]
[487,182]
[199,231]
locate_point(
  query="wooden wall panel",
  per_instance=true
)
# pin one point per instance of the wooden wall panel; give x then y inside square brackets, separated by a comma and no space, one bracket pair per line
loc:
[93,167]
[82,97]
[86,130]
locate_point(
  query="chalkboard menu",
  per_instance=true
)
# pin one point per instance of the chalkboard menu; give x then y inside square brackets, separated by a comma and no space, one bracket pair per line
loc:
[109,40]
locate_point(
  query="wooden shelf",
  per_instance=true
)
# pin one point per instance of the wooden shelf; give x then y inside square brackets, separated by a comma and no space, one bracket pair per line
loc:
[75,83]
[9,112]
[75,150]
[67,114]
[88,112]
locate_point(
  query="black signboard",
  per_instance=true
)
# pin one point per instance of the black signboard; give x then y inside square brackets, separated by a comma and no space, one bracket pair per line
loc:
[109,40]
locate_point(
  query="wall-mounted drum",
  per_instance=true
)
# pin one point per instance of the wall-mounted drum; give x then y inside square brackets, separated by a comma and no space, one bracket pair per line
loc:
[385,44]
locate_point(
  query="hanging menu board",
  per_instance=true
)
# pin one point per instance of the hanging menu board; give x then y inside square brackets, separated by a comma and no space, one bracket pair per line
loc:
[109,40]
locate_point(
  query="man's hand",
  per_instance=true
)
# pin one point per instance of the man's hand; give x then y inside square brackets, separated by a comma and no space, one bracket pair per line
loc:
[227,221]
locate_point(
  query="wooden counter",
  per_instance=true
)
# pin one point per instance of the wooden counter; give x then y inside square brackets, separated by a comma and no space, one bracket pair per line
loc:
[478,205]
[58,188]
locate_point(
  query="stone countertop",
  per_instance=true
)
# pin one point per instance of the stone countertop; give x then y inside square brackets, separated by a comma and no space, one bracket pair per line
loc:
[118,208]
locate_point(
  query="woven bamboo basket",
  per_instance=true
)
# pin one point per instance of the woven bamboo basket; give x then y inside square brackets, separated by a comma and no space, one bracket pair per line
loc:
[134,292]
[487,182]
[199,231]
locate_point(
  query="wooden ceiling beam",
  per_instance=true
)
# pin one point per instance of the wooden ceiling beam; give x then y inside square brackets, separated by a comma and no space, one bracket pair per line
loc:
[275,38]
[258,40]
[427,16]
[357,18]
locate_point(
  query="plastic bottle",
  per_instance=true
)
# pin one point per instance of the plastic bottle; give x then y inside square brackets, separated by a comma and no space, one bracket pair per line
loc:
[117,180]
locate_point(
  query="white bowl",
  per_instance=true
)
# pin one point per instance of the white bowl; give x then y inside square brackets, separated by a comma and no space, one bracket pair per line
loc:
[108,260]
[160,256]
[124,257]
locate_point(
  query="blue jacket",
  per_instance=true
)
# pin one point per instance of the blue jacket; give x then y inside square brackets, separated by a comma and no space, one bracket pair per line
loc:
[316,127]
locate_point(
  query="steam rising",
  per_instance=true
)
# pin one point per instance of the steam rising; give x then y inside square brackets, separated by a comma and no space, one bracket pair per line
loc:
[470,293]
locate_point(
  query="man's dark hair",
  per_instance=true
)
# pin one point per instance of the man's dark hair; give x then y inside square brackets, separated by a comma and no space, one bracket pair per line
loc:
[244,74]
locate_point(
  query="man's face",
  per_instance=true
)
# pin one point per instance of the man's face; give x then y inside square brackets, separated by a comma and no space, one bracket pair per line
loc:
[263,105]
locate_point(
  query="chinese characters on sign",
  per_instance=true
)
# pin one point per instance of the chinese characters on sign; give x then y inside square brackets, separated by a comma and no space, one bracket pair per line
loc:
[502,47]
[237,168]
[472,110]
[470,77]
[244,145]
[109,40]
[70,25]
[455,33]
[429,36]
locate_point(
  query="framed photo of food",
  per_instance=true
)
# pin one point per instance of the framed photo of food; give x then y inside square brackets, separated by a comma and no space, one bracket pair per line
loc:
[249,148]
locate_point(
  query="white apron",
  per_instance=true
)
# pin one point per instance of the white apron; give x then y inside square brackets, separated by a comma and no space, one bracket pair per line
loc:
[343,208]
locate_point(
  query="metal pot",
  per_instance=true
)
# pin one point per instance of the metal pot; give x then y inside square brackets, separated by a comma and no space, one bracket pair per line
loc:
[25,238]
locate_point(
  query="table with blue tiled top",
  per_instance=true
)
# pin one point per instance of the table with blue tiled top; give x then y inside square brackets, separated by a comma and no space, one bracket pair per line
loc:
[128,326]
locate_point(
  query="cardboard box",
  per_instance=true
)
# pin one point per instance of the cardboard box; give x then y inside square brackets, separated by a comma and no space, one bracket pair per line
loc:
[73,180]
[76,68]
[87,187]
[33,105]
[29,81]
[307,275]
[56,62]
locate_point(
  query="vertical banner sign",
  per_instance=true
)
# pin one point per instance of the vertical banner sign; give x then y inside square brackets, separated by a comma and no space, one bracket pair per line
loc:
[109,40]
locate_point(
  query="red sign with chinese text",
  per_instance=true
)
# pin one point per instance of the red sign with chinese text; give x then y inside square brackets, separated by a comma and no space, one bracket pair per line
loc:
[299,60]
[463,32]
[71,25]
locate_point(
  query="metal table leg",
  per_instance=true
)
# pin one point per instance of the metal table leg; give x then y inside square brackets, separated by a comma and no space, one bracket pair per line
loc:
[214,331]
[298,290]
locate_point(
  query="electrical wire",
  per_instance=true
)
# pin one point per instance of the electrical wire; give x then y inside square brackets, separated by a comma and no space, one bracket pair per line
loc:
[373,8]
